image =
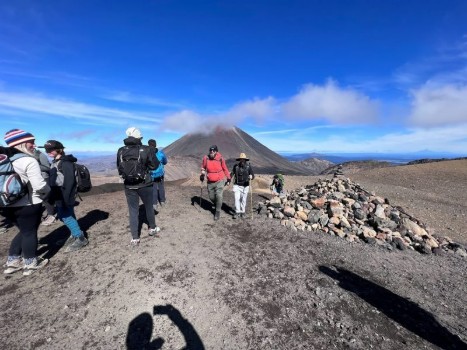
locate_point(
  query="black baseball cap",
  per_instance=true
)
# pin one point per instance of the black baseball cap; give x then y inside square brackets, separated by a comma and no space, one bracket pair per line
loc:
[52,145]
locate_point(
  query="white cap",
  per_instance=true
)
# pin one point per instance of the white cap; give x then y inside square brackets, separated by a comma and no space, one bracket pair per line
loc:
[132,131]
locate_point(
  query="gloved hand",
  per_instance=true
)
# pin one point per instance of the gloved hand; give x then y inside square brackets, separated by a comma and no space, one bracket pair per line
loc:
[250,177]
[201,178]
[227,183]
[203,171]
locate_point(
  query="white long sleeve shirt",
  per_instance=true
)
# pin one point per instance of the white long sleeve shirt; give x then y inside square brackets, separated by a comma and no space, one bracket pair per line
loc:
[30,172]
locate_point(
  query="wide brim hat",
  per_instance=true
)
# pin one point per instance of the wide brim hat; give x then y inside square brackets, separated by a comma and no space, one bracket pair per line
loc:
[242,156]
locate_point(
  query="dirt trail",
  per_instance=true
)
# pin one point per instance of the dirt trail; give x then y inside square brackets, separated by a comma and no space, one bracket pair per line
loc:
[233,284]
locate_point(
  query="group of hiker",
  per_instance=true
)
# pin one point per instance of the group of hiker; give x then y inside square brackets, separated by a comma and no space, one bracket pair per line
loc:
[52,187]
[215,171]
[57,189]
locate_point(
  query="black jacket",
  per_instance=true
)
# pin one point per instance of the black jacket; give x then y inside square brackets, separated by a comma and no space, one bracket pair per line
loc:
[148,158]
[63,187]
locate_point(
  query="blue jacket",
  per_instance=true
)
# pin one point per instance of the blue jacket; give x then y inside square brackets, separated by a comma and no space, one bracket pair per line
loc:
[159,172]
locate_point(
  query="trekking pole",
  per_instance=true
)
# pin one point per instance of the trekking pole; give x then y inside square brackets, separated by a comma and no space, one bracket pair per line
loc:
[251,198]
[201,196]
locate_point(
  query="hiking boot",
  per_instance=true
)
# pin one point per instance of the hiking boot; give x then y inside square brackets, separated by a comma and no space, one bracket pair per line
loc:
[65,242]
[49,220]
[13,266]
[134,242]
[217,215]
[154,231]
[37,263]
[235,216]
[242,215]
[78,243]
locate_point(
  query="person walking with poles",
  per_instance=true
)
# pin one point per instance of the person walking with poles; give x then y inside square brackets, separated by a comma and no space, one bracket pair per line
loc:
[218,176]
[242,173]
[157,175]
[134,161]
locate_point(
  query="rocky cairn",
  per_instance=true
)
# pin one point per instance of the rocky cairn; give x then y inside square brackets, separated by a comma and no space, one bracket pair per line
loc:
[342,208]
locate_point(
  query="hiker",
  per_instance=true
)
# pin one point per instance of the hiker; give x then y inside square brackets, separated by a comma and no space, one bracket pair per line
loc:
[63,182]
[243,173]
[26,212]
[44,164]
[218,176]
[134,162]
[277,185]
[157,175]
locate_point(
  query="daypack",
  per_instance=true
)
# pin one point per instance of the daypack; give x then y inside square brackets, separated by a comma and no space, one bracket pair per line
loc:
[159,172]
[12,188]
[281,178]
[83,178]
[131,168]
[242,176]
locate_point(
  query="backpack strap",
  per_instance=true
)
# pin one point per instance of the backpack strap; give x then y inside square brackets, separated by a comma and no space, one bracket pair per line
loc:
[18,155]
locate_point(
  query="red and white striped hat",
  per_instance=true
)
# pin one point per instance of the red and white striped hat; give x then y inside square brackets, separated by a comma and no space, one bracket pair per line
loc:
[16,137]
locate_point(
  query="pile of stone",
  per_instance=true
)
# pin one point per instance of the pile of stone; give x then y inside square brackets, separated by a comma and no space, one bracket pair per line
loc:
[343,208]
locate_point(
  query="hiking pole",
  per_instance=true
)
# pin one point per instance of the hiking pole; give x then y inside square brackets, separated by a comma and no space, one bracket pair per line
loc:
[201,196]
[251,198]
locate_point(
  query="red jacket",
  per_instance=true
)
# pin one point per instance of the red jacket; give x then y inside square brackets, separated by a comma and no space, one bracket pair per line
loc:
[216,169]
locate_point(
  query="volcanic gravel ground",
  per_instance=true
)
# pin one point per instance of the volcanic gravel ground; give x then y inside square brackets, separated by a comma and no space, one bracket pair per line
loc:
[231,284]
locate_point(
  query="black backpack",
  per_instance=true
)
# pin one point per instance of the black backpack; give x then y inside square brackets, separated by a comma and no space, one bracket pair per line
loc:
[242,177]
[83,178]
[82,175]
[131,167]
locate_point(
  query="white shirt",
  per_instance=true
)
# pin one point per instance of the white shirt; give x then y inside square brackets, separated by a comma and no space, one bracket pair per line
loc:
[30,172]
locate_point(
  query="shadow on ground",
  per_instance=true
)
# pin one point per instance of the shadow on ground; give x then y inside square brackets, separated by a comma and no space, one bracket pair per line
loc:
[204,204]
[405,312]
[140,330]
[55,240]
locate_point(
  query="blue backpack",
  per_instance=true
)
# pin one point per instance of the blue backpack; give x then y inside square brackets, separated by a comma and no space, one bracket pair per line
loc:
[159,172]
[12,188]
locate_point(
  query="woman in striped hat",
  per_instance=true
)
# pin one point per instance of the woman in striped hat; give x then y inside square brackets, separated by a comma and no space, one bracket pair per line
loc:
[26,212]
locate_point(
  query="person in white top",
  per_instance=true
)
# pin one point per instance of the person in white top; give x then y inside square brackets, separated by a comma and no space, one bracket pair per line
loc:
[26,212]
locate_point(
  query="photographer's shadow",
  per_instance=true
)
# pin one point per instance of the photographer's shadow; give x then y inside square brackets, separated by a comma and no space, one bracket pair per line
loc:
[140,330]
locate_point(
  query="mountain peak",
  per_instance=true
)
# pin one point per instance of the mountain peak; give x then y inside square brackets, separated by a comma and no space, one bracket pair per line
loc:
[232,141]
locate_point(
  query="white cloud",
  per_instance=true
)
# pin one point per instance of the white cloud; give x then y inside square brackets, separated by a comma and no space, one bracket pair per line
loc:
[127,97]
[438,106]
[188,121]
[441,139]
[332,103]
[80,112]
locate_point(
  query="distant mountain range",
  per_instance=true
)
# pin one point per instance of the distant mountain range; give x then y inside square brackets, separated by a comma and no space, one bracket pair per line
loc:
[185,155]
[393,158]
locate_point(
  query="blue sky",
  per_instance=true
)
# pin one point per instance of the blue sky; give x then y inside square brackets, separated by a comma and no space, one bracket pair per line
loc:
[299,76]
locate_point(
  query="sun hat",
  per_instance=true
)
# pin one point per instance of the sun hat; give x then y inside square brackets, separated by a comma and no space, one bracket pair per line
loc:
[242,156]
[16,137]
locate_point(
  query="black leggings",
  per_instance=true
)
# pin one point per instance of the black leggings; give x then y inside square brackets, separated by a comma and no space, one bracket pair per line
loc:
[27,219]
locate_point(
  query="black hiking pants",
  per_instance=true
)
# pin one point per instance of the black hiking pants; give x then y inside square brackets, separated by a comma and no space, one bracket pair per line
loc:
[132,199]
[27,219]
